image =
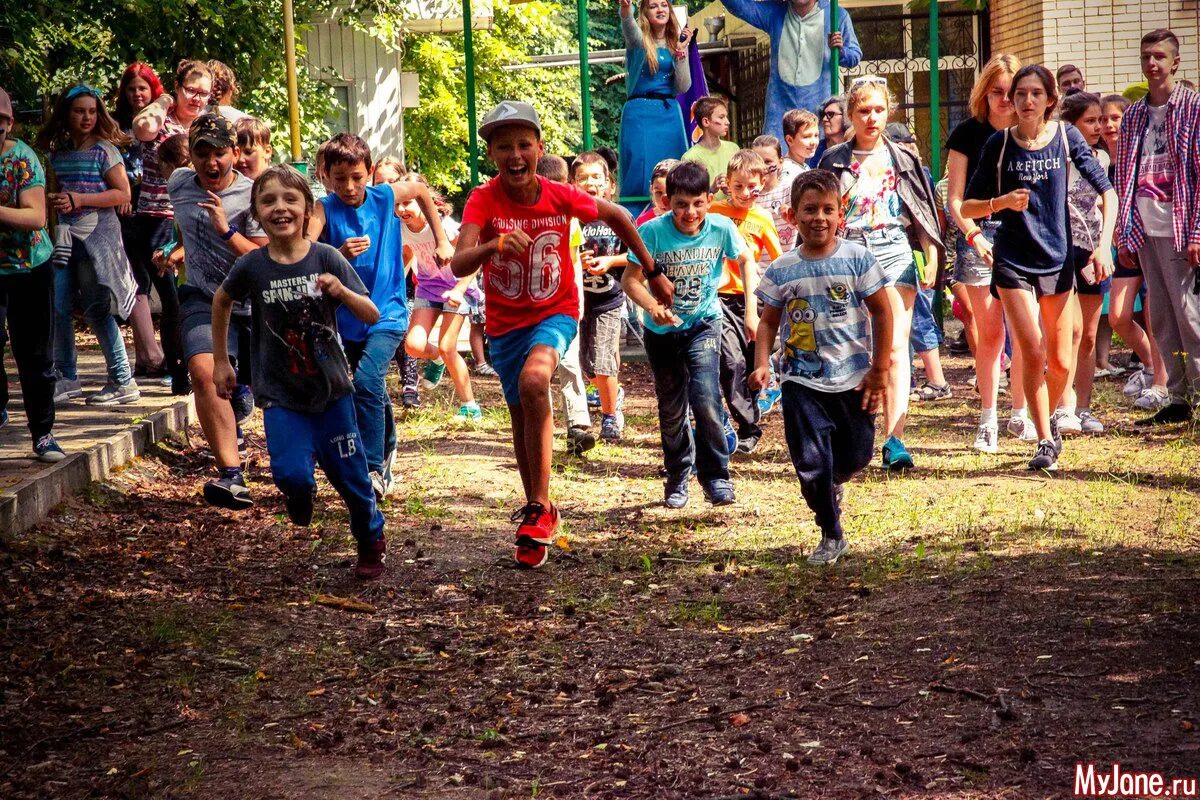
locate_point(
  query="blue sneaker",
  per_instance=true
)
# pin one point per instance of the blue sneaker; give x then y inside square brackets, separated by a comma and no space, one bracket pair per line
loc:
[610,427]
[593,396]
[719,492]
[731,438]
[675,493]
[895,455]
[47,450]
[768,397]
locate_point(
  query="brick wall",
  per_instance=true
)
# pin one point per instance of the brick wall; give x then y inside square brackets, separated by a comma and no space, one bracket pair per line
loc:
[1099,36]
[1018,28]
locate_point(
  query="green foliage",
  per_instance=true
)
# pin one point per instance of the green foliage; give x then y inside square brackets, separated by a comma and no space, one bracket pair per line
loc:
[47,47]
[436,136]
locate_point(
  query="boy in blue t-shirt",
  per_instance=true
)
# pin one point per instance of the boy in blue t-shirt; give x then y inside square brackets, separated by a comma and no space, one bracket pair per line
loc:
[837,313]
[360,220]
[683,341]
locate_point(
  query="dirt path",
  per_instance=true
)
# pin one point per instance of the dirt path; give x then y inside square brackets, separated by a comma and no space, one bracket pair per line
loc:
[990,629]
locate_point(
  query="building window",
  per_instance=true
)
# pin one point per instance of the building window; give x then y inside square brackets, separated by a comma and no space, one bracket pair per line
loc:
[895,44]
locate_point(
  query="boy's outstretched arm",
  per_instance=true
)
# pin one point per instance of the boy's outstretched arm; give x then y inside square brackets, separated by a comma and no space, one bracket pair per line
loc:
[360,305]
[764,341]
[615,217]
[883,306]
[224,378]
[410,190]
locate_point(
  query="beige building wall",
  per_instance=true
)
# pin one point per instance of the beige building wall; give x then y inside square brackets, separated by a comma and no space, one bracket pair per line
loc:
[1099,36]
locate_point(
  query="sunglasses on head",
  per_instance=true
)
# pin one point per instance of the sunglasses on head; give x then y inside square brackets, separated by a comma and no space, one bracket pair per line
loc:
[868,79]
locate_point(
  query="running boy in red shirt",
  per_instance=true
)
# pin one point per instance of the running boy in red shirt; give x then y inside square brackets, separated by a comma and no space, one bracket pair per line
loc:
[517,227]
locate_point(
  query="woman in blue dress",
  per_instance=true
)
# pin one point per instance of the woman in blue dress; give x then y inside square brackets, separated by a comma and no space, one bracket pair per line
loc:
[652,122]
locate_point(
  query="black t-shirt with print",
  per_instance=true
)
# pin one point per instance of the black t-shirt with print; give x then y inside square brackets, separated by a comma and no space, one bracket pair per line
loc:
[298,360]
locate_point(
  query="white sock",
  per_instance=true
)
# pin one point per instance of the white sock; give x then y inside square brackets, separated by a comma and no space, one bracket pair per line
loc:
[1068,411]
[987,416]
[1020,413]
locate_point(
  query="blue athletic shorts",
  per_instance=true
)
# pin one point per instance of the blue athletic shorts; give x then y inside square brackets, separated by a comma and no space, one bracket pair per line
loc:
[510,350]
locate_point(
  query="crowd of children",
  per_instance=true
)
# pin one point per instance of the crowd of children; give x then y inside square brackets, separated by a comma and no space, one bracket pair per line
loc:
[758,280]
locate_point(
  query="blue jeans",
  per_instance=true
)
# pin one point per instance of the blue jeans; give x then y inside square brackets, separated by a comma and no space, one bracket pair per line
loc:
[78,275]
[296,442]
[687,372]
[925,335]
[376,423]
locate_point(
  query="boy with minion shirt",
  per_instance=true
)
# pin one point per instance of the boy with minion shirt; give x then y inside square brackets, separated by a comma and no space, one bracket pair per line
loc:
[836,309]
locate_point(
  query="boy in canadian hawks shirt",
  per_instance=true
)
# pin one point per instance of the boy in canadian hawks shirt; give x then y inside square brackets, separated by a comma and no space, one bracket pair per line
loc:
[517,226]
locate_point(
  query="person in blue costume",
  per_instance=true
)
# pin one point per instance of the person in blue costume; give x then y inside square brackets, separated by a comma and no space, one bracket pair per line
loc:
[801,42]
[651,121]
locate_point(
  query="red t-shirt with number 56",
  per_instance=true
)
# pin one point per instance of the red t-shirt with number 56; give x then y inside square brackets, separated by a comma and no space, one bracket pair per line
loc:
[523,290]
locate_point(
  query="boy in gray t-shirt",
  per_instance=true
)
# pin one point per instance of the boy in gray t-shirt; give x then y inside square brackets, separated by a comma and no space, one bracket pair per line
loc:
[212,211]
[301,377]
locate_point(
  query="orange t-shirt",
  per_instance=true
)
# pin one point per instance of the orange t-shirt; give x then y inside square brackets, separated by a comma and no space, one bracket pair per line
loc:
[758,230]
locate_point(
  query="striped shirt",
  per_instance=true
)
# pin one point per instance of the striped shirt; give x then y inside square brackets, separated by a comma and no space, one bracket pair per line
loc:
[1183,121]
[153,200]
[82,172]
[825,327]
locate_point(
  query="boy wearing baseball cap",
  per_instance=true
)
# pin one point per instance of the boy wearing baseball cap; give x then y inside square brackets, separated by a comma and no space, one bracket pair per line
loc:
[212,212]
[517,227]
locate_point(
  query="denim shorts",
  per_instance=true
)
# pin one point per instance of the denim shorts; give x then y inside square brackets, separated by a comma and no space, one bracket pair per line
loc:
[195,330]
[891,248]
[438,305]
[969,268]
[509,350]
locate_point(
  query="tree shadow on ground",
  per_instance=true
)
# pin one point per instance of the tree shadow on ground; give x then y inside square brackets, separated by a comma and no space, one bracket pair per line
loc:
[640,663]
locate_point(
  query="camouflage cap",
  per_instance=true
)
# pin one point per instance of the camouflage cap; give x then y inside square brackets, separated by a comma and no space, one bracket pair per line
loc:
[212,129]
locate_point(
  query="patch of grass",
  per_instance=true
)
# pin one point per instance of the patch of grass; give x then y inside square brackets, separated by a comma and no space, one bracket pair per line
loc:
[707,611]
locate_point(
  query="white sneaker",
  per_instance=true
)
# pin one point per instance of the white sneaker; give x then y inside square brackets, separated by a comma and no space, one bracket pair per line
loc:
[1088,422]
[1067,422]
[985,439]
[1022,428]
[1138,382]
[1153,398]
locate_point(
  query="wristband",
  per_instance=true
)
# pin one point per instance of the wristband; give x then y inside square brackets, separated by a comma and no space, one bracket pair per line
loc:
[225,237]
[653,273]
[500,244]
[991,205]
[972,234]
[71,198]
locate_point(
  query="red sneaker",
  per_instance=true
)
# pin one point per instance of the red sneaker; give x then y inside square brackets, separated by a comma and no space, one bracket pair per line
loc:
[370,559]
[535,532]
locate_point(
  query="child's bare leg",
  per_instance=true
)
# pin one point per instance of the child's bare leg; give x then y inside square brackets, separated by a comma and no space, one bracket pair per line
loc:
[517,413]
[537,424]
[455,364]
[417,343]
[477,344]
[608,386]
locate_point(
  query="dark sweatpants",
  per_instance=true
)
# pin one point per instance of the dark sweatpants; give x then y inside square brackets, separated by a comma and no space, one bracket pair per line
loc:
[27,300]
[830,438]
[737,361]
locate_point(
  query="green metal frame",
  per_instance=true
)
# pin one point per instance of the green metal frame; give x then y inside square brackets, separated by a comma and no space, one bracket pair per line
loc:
[585,91]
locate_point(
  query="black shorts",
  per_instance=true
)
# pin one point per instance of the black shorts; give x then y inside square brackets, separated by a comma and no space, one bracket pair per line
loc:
[1079,259]
[1007,276]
